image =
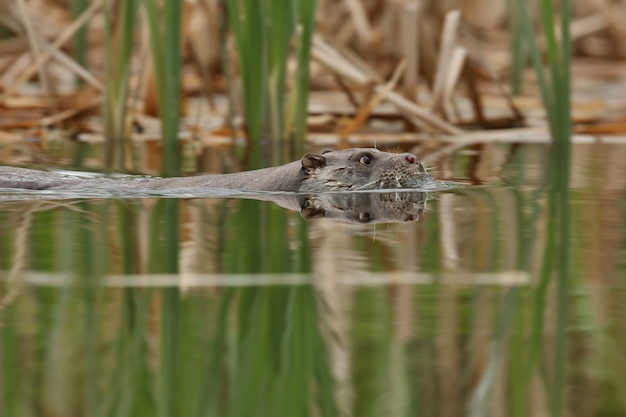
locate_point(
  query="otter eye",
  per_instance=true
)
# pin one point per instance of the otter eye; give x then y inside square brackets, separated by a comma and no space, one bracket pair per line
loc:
[365,159]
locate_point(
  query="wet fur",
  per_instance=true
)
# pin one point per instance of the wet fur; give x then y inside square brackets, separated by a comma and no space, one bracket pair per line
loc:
[331,171]
[344,171]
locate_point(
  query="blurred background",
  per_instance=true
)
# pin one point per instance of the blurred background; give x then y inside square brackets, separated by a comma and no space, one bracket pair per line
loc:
[327,73]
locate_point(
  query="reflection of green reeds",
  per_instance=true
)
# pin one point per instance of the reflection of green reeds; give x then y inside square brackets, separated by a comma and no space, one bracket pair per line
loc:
[264,32]
[89,350]
[278,358]
[165,39]
[91,270]
[130,378]
[119,45]
[209,372]
[371,348]
[11,375]
[243,255]
[281,358]
[164,256]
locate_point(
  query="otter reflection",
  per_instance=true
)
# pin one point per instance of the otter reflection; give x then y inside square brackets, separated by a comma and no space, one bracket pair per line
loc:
[359,208]
[365,208]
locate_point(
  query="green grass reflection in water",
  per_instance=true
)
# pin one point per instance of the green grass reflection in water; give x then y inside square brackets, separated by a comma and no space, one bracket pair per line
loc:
[93,349]
[143,351]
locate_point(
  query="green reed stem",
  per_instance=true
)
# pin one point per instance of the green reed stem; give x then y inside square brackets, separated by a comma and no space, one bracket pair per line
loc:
[305,14]
[556,94]
[166,54]
[555,90]
[81,46]
[279,33]
[246,22]
[307,21]
[118,47]
[518,54]
[265,33]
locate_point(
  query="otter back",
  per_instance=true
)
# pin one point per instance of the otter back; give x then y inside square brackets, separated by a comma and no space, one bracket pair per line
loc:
[346,170]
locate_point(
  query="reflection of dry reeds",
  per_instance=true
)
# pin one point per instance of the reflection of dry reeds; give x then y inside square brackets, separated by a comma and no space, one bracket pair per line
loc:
[442,343]
[21,247]
[18,259]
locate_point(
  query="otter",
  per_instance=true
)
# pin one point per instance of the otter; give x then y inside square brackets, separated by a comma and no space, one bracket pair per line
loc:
[331,171]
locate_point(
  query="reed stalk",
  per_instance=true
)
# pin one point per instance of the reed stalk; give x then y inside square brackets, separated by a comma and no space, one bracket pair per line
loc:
[305,12]
[265,33]
[518,53]
[246,23]
[555,84]
[165,37]
[118,47]
[81,46]
[555,89]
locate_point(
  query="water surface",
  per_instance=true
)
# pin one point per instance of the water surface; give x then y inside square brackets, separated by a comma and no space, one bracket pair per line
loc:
[451,303]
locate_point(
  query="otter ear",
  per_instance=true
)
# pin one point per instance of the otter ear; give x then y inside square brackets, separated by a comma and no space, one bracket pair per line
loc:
[310,162]
[312,208]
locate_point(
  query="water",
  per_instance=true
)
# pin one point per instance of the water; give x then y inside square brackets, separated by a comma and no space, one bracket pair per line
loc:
[225,306]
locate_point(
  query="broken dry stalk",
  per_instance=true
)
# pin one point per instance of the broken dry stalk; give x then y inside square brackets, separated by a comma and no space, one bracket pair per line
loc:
[33,40]
[410,42]
[446,52]
[457,60]
[53,50]
[66,114]
[332,60]
[366,108]
[361,24]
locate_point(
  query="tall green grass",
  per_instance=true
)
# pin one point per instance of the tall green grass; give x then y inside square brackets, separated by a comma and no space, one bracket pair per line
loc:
[265,33]
[516,46]
[81,48]
[165,37]
[119,31]
[554,82]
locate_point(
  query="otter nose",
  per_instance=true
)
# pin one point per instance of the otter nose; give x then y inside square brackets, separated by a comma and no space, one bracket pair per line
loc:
[410,158]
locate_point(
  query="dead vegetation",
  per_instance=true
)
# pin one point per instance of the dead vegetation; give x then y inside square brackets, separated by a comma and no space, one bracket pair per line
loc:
[383,71]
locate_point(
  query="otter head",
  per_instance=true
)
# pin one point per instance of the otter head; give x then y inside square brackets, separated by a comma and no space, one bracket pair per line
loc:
[361,169]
